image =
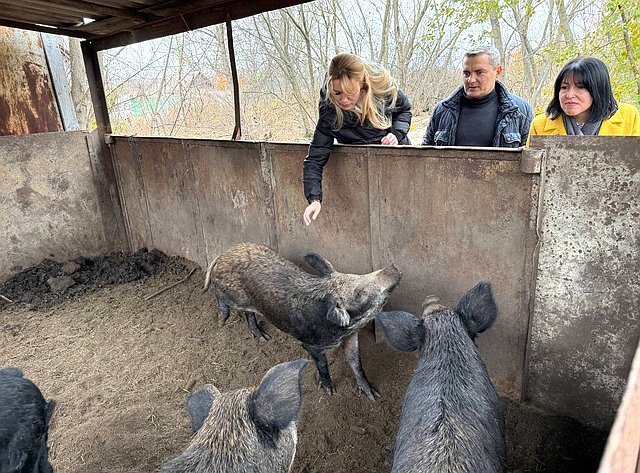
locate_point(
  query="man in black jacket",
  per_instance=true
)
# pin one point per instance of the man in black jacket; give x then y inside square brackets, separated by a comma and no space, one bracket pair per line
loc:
[482,112]
[359,104]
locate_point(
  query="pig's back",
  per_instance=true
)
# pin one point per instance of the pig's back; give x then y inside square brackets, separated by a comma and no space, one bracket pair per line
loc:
[255,269]
[451,416]
[257,278]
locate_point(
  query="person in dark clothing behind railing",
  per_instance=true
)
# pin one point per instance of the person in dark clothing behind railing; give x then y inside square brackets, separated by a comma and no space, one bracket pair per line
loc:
[482,112]
[360,103]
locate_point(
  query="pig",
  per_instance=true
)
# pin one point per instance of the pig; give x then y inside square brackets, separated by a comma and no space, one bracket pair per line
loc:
[24,425]
[318,310]
[451,417]
[248,431]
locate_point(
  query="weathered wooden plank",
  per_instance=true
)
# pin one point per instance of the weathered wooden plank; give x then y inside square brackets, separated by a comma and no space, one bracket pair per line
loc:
[60,82]
[623,445]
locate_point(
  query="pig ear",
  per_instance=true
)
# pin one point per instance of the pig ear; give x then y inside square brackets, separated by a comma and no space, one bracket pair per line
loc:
[335,312]
[478,309]
[50,407]
[402,330]
[318,263]
[277,401]
[11,371]
[199,404]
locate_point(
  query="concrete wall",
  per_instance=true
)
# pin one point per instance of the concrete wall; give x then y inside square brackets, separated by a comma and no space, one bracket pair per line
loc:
[48,201]
[447,218]
[585,317]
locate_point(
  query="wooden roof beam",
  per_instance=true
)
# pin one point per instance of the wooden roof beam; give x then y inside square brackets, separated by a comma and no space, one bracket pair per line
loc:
[104,10]
[27,14]
[45,29]
[205,16]
[64,9]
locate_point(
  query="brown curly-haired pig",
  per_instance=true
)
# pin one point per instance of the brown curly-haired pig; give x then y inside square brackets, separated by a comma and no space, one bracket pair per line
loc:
[318,310]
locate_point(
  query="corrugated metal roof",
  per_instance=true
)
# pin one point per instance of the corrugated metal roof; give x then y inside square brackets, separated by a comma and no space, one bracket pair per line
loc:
[115,23]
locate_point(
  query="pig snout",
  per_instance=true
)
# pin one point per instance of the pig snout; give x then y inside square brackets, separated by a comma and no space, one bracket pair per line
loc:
[371,291]
[389,278]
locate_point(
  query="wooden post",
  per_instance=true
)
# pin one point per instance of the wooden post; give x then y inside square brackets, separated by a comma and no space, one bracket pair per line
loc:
[237,131]
[96,87]
[102,161]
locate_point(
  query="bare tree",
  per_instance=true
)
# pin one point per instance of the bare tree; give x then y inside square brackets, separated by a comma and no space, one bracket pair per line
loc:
[180,85]
[628,46]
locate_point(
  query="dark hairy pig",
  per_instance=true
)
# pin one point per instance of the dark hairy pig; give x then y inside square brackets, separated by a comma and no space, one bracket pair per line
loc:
[451,419]
[318,310]
[24,425]
[244,431]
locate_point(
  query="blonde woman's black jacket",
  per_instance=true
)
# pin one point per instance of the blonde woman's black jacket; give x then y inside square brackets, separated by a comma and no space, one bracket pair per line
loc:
[351,132]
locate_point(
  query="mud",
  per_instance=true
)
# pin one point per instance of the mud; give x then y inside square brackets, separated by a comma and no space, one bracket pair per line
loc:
[122,339]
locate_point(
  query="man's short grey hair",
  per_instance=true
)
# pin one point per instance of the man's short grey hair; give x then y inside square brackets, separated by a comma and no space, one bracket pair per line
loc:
[492,52]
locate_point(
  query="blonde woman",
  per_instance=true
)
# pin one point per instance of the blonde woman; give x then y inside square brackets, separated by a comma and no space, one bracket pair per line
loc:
[360,103]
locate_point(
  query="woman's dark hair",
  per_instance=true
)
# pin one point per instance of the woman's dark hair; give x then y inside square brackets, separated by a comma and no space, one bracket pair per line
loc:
[593,74]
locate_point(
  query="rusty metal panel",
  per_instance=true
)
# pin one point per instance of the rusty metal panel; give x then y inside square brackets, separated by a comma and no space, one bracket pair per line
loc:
[193,198]
[233,184]
[48,201]
[531,161]
[585,320]
[27,103]
[172,203]
[341,232]
[449,219]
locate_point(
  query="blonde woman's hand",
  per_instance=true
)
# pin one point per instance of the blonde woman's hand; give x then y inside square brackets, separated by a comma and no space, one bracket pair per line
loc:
[390,139]
[311,212]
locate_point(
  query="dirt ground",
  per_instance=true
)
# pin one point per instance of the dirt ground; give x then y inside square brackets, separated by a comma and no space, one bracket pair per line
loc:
[120,358]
